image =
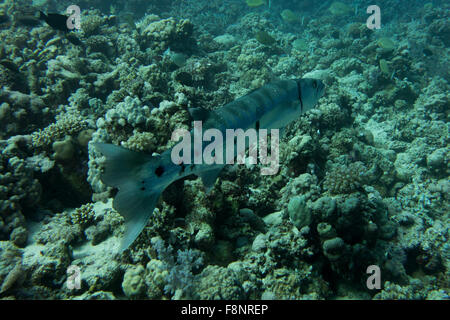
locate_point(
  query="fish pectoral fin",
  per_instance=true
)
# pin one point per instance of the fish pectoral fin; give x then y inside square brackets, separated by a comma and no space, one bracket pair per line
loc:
[209,178]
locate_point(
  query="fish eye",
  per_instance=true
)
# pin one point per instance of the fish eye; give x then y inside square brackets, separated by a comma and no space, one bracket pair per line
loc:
[314,84]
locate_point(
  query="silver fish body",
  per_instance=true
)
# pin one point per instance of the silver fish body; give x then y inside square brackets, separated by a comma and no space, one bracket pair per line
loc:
[142,178]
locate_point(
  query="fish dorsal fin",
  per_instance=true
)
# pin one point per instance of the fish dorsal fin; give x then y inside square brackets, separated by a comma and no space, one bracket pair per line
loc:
[199,114]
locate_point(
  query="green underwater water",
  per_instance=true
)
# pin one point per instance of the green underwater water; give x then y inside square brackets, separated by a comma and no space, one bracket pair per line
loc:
[358,209]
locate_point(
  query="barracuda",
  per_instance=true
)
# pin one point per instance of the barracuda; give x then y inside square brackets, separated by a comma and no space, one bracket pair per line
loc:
[141,178]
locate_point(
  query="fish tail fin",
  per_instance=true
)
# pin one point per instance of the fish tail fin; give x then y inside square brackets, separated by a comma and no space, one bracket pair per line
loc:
[138,195]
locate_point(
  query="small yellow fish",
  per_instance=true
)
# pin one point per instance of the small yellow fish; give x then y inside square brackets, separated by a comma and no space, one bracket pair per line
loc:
[255,3]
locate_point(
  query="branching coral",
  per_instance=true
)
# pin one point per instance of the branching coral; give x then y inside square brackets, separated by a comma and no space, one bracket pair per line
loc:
[179,275]
[83,215]
[67,125]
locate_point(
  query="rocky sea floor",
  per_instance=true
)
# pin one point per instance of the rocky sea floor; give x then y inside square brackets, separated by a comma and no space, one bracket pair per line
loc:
[364,177]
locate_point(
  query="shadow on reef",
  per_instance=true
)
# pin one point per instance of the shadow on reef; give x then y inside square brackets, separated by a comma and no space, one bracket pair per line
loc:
[64,189]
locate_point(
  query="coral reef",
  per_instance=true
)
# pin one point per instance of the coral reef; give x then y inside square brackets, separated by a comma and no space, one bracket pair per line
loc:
[363,179]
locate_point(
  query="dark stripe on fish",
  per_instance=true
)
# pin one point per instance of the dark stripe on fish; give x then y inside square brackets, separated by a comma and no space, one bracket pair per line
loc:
[299,89]
[229,118]
[247,111]
[261,104]
[267,96]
